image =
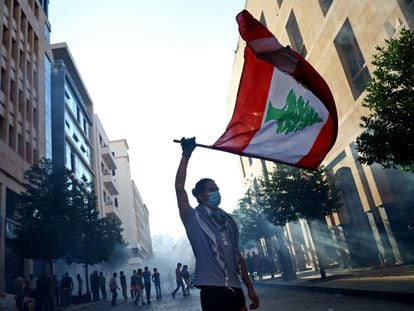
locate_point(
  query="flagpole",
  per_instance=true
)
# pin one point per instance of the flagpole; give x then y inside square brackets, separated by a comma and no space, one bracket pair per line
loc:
[197,144]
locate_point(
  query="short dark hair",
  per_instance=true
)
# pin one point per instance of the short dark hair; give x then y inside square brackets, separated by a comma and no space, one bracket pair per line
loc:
[199,187]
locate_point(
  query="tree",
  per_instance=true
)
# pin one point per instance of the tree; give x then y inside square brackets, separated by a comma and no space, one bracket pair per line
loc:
[249,216]
[388,138]
[45,217]
[292,193]
[95,238]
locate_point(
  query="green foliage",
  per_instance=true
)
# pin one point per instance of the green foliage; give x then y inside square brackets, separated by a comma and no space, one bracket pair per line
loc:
[45,218]
[95,238]
[295,116]
[58,219]
[251,220]
[291,193]
[389,135]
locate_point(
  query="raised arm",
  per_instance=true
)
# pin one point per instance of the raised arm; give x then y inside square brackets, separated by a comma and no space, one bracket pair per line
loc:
[187,145]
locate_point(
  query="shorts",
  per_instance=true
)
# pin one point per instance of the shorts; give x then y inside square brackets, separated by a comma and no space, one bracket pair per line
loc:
[216,298]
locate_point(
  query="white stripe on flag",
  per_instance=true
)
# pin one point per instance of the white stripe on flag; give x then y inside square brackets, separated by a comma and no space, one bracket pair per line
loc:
[290,147]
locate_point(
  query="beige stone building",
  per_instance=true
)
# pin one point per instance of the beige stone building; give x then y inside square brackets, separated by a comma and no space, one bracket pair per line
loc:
[25,112]
[132,210]
[105,171]
[338,38]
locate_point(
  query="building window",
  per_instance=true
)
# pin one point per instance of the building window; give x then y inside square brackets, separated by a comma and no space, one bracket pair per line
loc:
[75,138]
[279,2]
[72,162]
[263,20]
[116,202]
[250,161]
[325,5]
[3,80]
[20,149]
[352,60]
[5,37]
[2,130]
[28,155]
[294,35]
[12,141]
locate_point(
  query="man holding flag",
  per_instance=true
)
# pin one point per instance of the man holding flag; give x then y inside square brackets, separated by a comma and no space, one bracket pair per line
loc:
[214,238]
[285,113]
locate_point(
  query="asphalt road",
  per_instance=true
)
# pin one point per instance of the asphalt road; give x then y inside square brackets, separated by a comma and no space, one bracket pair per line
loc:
[272,299]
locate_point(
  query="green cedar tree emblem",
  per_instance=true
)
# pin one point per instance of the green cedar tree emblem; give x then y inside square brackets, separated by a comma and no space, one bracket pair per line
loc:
[294,116]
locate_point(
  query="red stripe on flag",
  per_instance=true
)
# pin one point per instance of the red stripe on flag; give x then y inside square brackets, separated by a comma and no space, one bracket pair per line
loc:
[320,147]
[310,78]
[250,104]
[250,29]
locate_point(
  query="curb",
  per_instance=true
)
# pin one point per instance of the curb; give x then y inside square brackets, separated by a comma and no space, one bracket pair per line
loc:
[373,294]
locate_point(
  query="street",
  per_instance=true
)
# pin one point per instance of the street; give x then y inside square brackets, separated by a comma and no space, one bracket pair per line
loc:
[271,299]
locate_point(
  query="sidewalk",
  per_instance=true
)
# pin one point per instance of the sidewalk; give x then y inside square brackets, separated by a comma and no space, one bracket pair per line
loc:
[388,283]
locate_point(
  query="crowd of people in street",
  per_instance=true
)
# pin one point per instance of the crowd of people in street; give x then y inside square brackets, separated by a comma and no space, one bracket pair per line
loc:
[46,292]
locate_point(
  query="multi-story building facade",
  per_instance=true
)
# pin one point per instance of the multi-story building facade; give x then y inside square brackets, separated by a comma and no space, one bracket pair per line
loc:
[72,117]
[105,166]
[142,224]
[25,113]
[339,38]
[133,212]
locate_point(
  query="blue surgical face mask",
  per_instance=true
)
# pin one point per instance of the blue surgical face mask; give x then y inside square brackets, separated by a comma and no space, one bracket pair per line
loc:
[214,199]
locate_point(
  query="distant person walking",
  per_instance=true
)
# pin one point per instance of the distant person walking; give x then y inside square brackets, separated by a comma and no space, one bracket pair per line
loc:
[94,278]
[122,280]
[147,283]
[157,283]
[80,284]
[133,284]
[113,287]
[140,289]
[102,284]
[67,287]
[186,278]
[19,287]
[178,280]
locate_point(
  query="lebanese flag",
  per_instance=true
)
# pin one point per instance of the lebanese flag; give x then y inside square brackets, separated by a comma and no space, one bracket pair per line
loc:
[284,109]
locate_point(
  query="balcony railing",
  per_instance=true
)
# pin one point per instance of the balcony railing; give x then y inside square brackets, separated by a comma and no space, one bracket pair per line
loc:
[109,183]
[108,157]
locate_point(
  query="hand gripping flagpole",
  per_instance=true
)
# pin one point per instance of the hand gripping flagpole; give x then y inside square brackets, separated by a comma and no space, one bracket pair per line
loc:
[179,141]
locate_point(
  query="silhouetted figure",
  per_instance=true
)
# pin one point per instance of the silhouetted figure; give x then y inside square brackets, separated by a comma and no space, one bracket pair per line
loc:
[146,275]
[122,280]
[186,278]
[113,287]
[157,283]
[80,284]
[66,287]
[102,285]
[140,289]
[178,280]
[43,293]
[133,284]
[94,278]
[19,288]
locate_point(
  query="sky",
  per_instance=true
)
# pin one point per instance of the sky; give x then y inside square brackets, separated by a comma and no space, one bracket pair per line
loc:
[158,70]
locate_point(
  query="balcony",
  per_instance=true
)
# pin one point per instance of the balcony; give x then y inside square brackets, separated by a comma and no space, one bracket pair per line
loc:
[109,183]
[110,209]
[108,157]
